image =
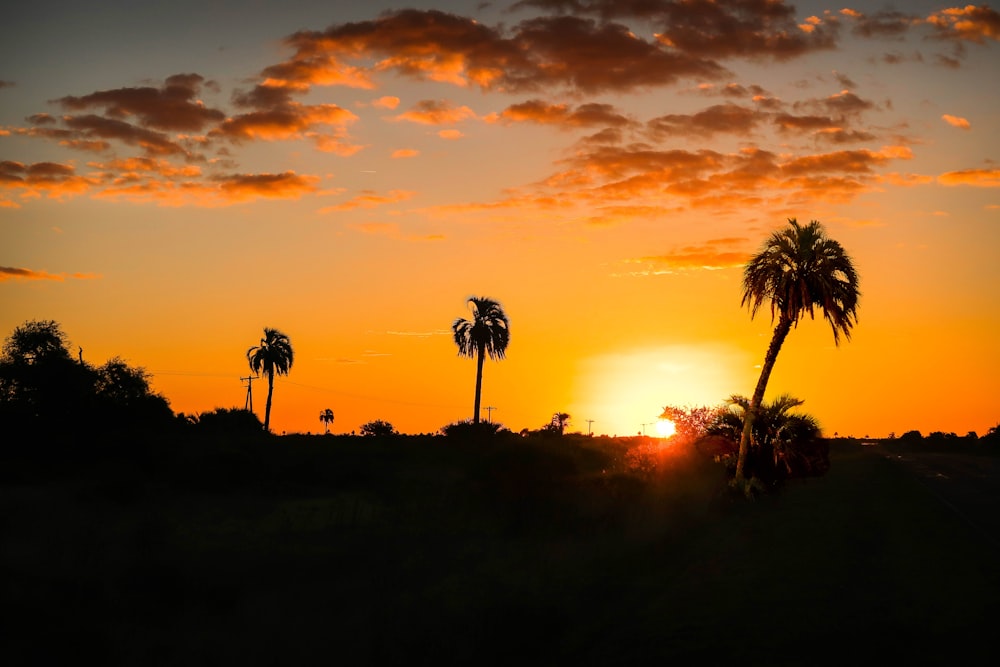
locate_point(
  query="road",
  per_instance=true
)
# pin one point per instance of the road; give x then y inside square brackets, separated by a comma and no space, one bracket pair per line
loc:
[969,485]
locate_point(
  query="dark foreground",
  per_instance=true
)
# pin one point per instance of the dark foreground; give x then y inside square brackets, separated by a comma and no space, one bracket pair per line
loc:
[303,552]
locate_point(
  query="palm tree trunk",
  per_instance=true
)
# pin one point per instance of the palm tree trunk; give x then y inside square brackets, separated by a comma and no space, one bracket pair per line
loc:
[777,340]
[479,381]
[267,409]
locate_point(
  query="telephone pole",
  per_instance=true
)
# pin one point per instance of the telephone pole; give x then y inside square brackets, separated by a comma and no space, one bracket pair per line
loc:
[489,413]
[589,429]
[249,380]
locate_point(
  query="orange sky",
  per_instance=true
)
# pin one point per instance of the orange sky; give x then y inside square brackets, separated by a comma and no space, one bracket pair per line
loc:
[603,169]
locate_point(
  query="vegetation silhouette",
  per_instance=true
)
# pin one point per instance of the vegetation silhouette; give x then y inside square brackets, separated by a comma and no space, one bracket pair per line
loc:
[378,428]
[798,269]
[273,356]
[327,418]
[784,444]
[46,395]
[487,333]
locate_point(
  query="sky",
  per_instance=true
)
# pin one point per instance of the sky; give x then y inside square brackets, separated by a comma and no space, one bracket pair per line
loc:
[176,176]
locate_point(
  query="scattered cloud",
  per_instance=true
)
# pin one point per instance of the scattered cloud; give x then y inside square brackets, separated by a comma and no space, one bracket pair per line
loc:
[982,178]
[714,254]
[956,121]
[403,153]
[970,23]
[13,273]
[436,112]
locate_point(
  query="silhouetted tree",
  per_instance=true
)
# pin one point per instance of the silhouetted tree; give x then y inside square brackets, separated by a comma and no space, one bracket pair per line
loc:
[784,444]
[273,355]
[559,422]
[228,421]
[798,270]
[377,427]
[487,333]
[327,418]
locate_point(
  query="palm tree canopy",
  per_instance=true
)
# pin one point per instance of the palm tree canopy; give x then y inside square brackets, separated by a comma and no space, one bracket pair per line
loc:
[274,355]
[488,329]
[798,269]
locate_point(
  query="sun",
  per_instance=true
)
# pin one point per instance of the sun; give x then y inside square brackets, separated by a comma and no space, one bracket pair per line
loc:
[665,428]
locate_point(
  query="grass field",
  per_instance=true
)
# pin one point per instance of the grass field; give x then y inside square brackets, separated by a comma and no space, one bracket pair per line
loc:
[313,550]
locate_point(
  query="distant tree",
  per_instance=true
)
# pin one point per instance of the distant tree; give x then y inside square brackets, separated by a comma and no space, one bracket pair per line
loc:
[36,341]
[327,418]
[125,398]
[798,270]
[273,356]
[227,421]
[559,422]
[377,428]
[468,429]
[487,333]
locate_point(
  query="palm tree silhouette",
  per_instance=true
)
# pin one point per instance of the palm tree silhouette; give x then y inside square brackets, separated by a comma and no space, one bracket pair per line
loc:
[327,418]
[488,332]
[273,355]
[798,269]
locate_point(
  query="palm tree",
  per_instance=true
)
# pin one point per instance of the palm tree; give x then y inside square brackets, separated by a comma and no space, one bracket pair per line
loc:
[559,421]
[273,355]
[798,269]
[488,332]
[327,418]
[784,443]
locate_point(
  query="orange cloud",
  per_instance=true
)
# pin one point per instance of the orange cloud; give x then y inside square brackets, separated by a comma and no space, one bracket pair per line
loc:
[223,190]
[370,199]
[722,118]
[442,112]
[386,102]
[713,254]
[956,121]
[969,23]
[450,135]
[12,273]
[403,153]
[982,178]
[49,178]
[288,121]
[585,115]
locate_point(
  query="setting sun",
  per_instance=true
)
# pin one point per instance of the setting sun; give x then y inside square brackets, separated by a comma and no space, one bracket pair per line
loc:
[665,428]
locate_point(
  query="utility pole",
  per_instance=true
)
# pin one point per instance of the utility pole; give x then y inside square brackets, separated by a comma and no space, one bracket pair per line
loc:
[489,413]
[589,429]
[644,427]
[249,380]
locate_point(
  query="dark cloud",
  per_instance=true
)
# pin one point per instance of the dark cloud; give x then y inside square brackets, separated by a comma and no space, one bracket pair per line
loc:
[153,143]
[970,23]
[721,118]
[709,28]
[539,53]
[173,106]
[884,24]
[584,115]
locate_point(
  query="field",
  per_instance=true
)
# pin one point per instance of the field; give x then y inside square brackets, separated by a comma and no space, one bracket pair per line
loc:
[555,551]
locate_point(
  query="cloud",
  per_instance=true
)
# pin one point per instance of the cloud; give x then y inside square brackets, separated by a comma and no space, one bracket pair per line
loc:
[982,178]
[539,53]
[173,106]
[52,179]
[450,135]
[370,199]
[543,113]
[714,254]
[12,273]
[956,121]
[220,190]
[968,24]
[386,102]
[436,112]
[722,118]
[882,24]
[403,153]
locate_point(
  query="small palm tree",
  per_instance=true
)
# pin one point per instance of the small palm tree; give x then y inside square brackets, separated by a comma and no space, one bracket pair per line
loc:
[487,333]
[273,355]
[327,418]
[798,269]
[559,421]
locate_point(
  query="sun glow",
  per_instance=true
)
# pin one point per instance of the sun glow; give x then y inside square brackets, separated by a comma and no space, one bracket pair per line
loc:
[665,428]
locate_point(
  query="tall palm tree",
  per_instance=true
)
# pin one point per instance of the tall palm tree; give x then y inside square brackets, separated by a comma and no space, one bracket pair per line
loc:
[798,269]
[273,355]
[487,333]
[327,418]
